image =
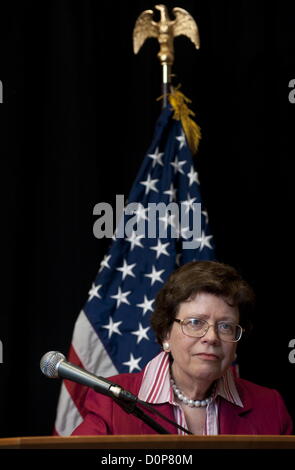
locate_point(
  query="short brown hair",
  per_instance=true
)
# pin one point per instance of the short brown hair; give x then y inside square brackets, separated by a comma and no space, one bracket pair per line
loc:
[201,276]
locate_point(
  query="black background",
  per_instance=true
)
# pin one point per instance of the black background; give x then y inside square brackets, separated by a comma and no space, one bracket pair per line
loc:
[78,115]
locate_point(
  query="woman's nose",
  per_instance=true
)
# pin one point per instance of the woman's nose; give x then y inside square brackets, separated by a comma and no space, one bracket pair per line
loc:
[211,335]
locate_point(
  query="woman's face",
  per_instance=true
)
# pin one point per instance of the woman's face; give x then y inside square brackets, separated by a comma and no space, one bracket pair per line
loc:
[206,358]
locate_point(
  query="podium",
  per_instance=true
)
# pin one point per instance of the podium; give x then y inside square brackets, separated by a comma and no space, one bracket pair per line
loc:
[150,442]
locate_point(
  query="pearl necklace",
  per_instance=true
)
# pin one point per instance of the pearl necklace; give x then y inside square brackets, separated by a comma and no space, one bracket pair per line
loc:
[187,401]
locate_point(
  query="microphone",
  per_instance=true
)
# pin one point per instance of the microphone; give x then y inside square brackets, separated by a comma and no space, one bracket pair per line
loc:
[53,364]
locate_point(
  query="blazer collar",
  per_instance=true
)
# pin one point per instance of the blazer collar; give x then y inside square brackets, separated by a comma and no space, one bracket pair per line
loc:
[246,399]
[226,388]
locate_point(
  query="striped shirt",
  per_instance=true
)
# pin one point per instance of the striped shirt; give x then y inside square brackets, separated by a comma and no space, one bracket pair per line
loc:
[156,388]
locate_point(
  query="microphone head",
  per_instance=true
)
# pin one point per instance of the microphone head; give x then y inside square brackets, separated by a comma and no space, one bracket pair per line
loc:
[49,363]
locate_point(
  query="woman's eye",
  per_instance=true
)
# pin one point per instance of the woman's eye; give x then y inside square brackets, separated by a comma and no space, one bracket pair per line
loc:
[226,326]
[195,323]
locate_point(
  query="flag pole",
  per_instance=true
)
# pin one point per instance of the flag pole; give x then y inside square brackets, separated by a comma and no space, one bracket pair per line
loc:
[166,82]
[165,30]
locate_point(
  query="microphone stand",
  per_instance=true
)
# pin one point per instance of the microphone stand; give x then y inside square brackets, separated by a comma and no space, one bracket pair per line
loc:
[132,408]
[128,402]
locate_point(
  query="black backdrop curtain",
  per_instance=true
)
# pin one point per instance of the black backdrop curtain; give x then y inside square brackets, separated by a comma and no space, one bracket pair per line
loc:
[78,114]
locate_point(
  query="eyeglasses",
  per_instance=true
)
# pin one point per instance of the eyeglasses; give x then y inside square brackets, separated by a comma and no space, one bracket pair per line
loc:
[196,328]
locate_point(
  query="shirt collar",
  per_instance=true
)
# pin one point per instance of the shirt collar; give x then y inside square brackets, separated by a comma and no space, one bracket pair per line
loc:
[156,387]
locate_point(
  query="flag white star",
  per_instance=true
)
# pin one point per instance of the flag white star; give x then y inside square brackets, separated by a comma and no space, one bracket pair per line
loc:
[171,193]
[146,305]
[105,263]
[204,240]
[183,232]
[160,248]
[126,269]
[132,363]
[121,297]
[135,240]
[156,157]
[94,291]
[113,327]
[181,140]
[149,184]
[140,213]
[168,219]
[188,203]
[205,214]
[141,333]
[155,275]
[178,165]
[193,176]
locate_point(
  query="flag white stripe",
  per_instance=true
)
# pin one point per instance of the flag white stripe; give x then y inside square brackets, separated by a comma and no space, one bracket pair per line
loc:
[95,359]
[68,416]
[90,349]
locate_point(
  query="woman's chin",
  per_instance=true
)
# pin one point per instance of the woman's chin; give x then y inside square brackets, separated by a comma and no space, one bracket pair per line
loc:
[208,372]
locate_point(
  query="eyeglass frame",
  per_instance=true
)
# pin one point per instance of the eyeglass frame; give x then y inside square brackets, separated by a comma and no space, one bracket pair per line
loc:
[180,322]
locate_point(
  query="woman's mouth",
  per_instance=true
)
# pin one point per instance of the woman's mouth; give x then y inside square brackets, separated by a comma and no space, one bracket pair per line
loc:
[208,357]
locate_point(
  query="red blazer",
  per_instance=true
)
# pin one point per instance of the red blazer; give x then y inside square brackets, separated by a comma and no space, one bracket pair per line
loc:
[264,412]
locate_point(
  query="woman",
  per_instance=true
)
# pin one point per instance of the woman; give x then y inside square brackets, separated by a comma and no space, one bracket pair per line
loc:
[200,315]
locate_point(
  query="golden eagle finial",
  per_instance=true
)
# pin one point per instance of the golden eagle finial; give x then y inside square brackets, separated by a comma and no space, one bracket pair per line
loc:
[165,31]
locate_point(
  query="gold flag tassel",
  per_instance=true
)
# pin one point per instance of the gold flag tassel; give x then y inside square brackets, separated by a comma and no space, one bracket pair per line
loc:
[192,131]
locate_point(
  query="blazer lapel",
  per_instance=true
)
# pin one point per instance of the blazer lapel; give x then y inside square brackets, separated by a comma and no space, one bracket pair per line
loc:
[233,419]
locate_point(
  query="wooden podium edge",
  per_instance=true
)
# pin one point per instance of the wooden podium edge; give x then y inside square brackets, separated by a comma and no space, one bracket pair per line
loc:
[150,442]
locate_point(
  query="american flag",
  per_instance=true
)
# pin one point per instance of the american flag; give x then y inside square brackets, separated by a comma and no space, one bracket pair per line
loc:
[112,333]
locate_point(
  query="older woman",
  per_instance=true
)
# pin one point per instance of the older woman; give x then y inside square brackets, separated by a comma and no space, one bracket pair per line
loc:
[200,315]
